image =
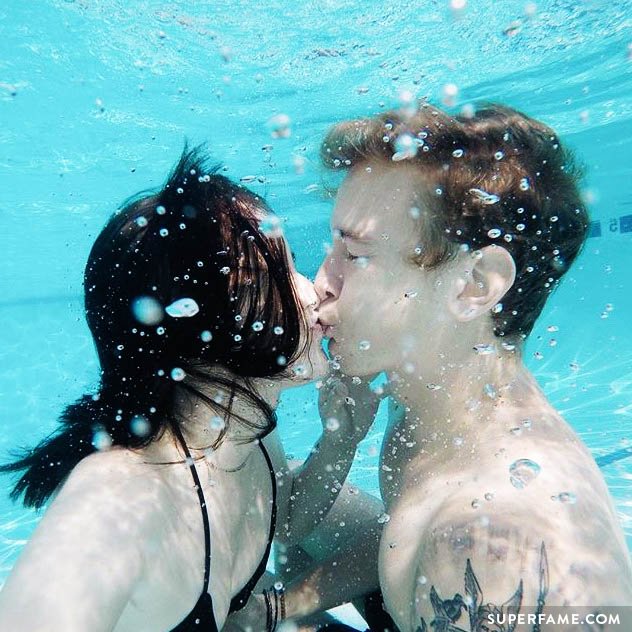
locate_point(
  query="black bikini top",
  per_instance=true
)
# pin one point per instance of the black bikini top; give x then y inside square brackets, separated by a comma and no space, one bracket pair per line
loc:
[202,616]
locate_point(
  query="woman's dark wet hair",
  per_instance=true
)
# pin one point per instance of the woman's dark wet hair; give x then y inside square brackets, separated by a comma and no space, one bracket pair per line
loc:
[198,238]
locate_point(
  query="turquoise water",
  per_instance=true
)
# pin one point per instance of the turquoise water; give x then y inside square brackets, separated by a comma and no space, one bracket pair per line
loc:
[96,98]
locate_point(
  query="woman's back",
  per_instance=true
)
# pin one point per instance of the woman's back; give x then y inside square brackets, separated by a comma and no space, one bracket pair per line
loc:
[148,549]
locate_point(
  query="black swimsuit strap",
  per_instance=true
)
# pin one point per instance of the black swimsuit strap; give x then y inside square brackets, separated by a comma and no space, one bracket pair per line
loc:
[241,598]
[200,493]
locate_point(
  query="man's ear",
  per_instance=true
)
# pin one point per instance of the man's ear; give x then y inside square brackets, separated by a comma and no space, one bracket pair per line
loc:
[484,276]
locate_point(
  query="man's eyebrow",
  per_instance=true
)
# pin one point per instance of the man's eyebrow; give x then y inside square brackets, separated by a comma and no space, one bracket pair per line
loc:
[349,234]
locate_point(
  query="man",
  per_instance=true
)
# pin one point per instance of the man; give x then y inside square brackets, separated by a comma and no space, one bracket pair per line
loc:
[449,235]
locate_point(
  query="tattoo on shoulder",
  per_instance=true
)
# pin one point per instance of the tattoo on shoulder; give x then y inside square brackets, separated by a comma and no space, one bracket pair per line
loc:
[448,612]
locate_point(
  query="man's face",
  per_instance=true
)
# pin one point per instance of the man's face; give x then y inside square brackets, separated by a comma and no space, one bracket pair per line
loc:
[377,304]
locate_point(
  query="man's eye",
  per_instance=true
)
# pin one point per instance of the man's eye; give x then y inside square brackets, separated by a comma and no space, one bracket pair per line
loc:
[351,257]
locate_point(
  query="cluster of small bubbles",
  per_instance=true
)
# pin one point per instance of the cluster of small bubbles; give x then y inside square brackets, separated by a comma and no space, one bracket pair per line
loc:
[364,345]
[490,391]
[183,308]
[206,336]
[484,197]
[484,349]
[489,496]
[101,440]
[414,212]
[160,330]
[177,374]
[522,472]
[520,227]
[217,423]
[497,308]
[281,360]
[524,184]
[499,155]
[225,270]
[494,233]
[204,178]
[457,153]
[332,424]
[141,221]
[161,210]
[140,426]
[383,518]
[476,503]
[164,232]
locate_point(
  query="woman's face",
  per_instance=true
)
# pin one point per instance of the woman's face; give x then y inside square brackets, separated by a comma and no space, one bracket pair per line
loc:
[312,363]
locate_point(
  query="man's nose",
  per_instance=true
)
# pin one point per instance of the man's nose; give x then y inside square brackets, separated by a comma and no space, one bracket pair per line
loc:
[328,282]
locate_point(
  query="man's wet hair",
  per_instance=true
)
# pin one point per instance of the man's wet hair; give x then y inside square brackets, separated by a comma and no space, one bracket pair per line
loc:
[495,177]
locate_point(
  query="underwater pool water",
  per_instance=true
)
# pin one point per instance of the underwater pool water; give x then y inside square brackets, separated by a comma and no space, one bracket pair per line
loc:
[97,97]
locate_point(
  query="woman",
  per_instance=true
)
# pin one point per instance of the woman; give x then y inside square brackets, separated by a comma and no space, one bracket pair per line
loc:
[169,482]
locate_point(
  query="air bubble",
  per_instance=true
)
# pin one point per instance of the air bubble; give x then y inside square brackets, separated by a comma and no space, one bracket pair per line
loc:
[183,308]
[177,374]
[141,221]
[457,153]
[383,518]
[147,310]
[524,184]
[364,345]
[217,423]
[164,232]
[522,472]
[278,330]
[484,197]
[206,336]
[161,210]
[499,155]
[257,326]
[332,424]
[139,426]
[494,233]
[101,440]
[225,270]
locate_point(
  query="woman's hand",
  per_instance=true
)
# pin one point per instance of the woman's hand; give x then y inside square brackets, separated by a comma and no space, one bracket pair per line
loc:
[348,406]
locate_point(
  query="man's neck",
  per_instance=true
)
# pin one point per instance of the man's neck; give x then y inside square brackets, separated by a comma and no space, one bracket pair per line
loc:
[464,399]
